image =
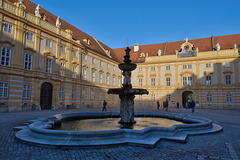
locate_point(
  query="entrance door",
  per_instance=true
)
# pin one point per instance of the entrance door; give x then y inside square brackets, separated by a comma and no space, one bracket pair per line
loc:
[186,96]
[46,96]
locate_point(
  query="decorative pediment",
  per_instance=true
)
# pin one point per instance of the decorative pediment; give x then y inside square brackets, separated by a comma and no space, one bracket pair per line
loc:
[107,73]
[187,72]
[113,75]
[93,69]
[208,73]
[187,50]
[75,63]
[227,72]
[63,59]
[84,66]
[48,53]
[30,49]
[168,75]
[142,55]
[8,42]
[100,71]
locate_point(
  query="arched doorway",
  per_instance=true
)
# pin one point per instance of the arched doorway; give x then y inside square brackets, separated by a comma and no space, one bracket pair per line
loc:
[46,96]
[187,95]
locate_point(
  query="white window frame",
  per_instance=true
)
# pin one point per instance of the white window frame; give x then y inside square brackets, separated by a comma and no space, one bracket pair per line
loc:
[92,95]
[48,43]
[84,74]
[227,64]
[189,66]
[3,89]
[5,56]
[113,82]
[228,97]
[168,81]
[100,78]
[29,36]
[28,61]
[7,28]
[83,94]
[152,68]
[84,56]
[93,60]
[74,71]
[185,81]
[61,93]
[167,67]
[140,80]
[208,80]
[152,97]
[75,53]
[190,80]
[26,91]
[93,76]
[209,97]
[208,65]
[48,65]
[101,63]
[168,97]
[184,66]
[107,65]
[63,48]
[107,79]
[140,69]
[140,97]
[228,79]
[153,82]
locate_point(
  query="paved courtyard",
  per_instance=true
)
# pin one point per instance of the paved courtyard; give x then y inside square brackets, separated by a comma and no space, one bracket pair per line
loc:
[224,145]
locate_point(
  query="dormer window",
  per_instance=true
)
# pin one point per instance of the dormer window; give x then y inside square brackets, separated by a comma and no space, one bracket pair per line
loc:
[142,55]
[108,51]
[86,40]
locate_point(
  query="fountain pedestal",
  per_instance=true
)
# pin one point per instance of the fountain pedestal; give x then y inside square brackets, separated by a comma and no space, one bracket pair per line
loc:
[127,93]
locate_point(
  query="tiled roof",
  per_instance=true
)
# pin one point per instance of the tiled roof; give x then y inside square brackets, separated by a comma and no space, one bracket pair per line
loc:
[203,44]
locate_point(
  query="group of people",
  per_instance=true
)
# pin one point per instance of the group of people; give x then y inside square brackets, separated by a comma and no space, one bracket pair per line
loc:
[189,104]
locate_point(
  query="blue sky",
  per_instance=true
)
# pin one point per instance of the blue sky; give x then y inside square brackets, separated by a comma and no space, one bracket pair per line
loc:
[148,21]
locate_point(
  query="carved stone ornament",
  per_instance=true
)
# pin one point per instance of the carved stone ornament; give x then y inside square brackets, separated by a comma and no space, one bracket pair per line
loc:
[37,10]
[58,23]
[20,1]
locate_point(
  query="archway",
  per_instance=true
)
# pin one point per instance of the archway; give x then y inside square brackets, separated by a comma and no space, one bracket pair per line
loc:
[46,96]
[186,96]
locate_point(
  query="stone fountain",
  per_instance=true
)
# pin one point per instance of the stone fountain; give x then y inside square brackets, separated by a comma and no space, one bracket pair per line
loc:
[127,93]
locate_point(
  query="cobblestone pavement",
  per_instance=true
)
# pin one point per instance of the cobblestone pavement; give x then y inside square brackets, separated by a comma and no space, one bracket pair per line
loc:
[224,145]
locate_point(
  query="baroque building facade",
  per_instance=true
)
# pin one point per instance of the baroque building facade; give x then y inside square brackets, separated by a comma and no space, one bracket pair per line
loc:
[48,63]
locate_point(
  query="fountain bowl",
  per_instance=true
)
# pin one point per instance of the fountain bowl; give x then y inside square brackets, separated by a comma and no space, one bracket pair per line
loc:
[41,131]
[127,66]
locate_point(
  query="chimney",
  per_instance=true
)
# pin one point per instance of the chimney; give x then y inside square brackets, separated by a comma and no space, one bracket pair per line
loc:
[136,47]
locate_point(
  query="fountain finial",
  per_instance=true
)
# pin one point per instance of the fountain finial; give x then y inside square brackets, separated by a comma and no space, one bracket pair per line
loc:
[127,56]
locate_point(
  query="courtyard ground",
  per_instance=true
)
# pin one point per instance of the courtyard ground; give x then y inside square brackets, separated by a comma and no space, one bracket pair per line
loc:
[224,145]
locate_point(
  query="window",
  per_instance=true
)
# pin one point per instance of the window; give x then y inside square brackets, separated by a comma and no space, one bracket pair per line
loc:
[74,72]
[84,74]
[7,28]
[49,43]
[140,82]
[209,97]
[92,95]
[101,63]
[63,49]
[152,68]
[113,83]
[152,97]
[140,69]
[73,93]
[26,91]
[3,90]
[140,97]
[208,80]
[61,93]
[189,66]
[168,97]
[227,64]
[152,82]
[167,67]
[184,81]
[114,68]
[93,76]
[74,53]
[229,97]
[107,65]
[28,62]
[184,66]
[29,36]
[62,69]
[228,79]
[107,79]
[48,65]
[100,78]
[168,81]
[83,94]
[189,81]
[5,56]
[93,60]
[208,65]
[84,56]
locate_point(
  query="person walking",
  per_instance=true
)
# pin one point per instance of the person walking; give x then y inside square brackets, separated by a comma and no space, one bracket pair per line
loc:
[158,104]
[193,106]
[177,105]
[104,106]
[166,105]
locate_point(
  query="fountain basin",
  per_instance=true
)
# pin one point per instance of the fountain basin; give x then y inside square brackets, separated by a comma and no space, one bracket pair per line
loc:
[127,66]
[40,131]
[133,91]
